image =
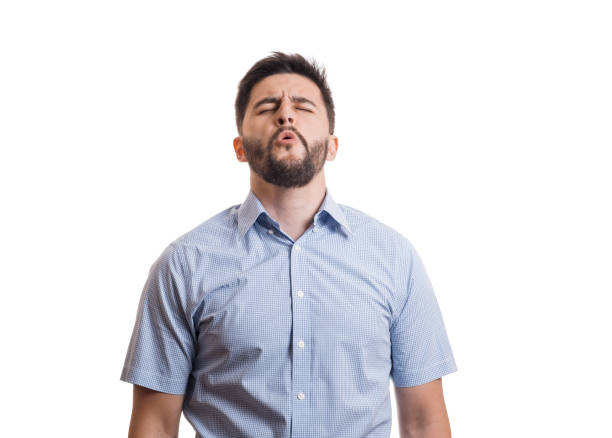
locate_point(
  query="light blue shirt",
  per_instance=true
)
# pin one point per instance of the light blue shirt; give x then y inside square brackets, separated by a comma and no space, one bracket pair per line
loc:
[270,337]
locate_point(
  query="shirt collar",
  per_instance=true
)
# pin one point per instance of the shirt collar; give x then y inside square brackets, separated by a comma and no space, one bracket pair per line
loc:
[252,208]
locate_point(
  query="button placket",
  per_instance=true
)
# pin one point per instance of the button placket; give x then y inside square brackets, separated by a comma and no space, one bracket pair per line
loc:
[301,356]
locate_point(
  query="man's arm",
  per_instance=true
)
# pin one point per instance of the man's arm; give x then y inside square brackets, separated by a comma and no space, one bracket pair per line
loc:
[155,414]
[422,412]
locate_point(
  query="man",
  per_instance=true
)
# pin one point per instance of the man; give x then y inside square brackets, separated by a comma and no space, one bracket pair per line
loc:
[286,315]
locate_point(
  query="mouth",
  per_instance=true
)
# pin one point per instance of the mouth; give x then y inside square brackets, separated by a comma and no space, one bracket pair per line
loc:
[286,137]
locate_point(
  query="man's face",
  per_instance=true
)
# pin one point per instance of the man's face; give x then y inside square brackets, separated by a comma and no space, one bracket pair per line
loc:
[285,131]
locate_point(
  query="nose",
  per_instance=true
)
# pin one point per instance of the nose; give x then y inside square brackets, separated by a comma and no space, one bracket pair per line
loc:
[285,114]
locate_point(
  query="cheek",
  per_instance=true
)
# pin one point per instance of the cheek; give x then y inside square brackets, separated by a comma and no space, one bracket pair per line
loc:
[314,128]
[257,128]
[262,134]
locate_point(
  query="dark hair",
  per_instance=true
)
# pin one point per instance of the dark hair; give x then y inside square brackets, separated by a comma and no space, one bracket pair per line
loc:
[283,63]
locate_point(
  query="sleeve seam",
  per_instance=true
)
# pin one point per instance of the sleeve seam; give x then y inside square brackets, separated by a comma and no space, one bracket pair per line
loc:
[408,293]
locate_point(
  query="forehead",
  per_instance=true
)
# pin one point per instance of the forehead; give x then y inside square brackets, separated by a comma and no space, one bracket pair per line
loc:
[290,84]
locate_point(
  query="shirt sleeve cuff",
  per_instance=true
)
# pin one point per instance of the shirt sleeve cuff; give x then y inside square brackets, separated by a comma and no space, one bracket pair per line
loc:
[153,381]
[424,375]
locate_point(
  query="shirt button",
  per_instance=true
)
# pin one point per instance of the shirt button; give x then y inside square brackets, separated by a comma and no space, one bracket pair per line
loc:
[301,344]
[315,229]
[297,247]
[301,396]
[300,293]
[270,231]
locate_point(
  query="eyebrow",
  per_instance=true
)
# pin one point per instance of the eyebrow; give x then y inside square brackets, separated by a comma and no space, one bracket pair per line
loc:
[276,100]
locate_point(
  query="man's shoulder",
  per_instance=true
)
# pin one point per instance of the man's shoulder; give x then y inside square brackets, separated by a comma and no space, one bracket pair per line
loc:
[364,223]
[218,230]
[376,234]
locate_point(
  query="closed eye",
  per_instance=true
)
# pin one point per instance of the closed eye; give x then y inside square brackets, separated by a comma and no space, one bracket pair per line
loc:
[266,110]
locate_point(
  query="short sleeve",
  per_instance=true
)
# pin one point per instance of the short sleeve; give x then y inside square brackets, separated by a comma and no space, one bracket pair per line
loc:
[420,349]
[162,345]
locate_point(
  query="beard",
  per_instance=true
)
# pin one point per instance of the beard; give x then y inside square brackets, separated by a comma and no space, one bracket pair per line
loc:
[287,172]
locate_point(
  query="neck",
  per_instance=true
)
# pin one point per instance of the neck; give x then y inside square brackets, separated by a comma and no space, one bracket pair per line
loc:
[292,208]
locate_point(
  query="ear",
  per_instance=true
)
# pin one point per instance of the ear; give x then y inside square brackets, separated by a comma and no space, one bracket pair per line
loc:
[239,149]
[332,147]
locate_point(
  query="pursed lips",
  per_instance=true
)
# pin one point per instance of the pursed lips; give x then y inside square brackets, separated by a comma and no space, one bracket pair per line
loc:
[286,136]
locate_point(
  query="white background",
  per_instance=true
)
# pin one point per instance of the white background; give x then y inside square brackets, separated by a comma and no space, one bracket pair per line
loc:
[481,130]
